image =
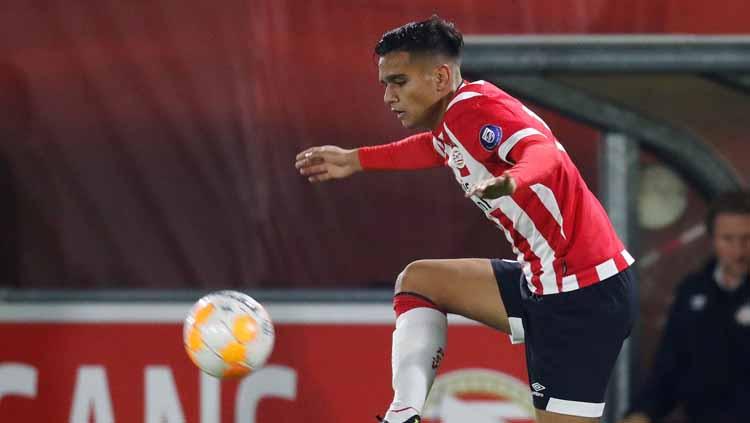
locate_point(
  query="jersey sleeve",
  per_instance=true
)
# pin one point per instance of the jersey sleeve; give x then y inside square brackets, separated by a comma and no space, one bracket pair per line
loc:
[414,152]
[535,161]
[490,130]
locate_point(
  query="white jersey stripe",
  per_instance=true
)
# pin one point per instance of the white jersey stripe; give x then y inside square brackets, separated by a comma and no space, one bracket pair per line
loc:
[525,266]
[509,143]
[628,258]
[526,271]
[606,269]
[522,223]
[461,97]
[570,283]
[547,197]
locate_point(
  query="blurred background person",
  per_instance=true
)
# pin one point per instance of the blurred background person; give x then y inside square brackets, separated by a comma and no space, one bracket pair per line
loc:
[701,364]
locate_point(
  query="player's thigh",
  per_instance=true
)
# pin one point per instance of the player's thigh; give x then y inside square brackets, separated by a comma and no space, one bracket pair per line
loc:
[550,417]
[467,287]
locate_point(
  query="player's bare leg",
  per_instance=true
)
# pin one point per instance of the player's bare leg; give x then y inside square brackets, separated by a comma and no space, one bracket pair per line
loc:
[466,287]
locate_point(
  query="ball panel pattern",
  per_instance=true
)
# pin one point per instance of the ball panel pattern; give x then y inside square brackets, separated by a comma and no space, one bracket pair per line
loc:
[227,334]
[244,329]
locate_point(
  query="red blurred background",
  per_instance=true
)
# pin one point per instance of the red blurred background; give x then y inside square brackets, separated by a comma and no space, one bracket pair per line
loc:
[150,144]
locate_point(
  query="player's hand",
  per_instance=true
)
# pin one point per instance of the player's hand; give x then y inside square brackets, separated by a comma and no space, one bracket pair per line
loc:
[327,162]
[494,187]
[636,418]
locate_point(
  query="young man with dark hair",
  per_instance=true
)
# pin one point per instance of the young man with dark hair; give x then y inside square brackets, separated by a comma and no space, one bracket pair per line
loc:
[702,360]
[569,296]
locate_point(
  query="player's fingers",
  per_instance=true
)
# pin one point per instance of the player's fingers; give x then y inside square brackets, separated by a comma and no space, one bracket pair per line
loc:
[321,177]
[308,153]
[300,156]
[299,164]
[475,190]
[313,170]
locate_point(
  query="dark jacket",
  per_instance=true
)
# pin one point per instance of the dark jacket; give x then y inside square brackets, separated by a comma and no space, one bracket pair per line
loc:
[703,360]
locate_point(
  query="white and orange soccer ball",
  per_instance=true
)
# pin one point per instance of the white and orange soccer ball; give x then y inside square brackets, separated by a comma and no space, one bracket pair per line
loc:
[227,334]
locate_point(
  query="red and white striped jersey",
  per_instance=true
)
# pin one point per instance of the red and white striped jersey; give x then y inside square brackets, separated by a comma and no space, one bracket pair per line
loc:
[558,229]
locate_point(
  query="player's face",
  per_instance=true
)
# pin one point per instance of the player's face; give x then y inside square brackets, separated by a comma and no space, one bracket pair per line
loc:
[732,242]
[411,89]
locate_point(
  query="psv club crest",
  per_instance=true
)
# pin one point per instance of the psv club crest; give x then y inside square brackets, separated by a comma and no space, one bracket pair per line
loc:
[459,163]
[458,158]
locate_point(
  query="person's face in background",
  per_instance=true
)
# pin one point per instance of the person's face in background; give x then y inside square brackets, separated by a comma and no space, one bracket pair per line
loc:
[731,239]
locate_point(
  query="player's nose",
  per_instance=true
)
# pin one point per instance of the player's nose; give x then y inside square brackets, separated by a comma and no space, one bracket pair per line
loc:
[389,97]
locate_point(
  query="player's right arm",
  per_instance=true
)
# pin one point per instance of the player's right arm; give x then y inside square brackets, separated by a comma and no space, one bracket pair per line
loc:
[327,162]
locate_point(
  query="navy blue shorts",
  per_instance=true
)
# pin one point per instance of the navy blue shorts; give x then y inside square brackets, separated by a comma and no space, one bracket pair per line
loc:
[572,338]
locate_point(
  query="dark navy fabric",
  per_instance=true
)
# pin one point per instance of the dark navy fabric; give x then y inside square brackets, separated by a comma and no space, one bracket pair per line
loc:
[572,338]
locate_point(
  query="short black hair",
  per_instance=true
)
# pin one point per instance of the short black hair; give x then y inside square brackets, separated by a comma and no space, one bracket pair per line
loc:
[431,36]
[734,202]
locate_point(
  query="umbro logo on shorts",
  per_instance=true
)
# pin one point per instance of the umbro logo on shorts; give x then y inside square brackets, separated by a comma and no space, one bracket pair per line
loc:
[537,387]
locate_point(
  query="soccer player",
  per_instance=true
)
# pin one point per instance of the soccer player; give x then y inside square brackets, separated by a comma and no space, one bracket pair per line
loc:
[569,295]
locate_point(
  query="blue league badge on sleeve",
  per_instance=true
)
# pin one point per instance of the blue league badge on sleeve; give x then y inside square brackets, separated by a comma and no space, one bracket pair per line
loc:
[490,136]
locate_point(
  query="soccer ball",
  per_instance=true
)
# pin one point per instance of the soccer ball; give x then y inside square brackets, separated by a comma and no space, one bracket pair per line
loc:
[227,334]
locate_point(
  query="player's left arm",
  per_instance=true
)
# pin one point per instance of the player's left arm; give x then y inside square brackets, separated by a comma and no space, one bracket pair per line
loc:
[527,145]
[535,159]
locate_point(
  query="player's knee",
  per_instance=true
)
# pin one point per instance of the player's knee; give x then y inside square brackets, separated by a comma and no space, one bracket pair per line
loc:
[413,278]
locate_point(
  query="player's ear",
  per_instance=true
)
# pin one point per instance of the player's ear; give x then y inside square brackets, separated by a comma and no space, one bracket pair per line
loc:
[443,78]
